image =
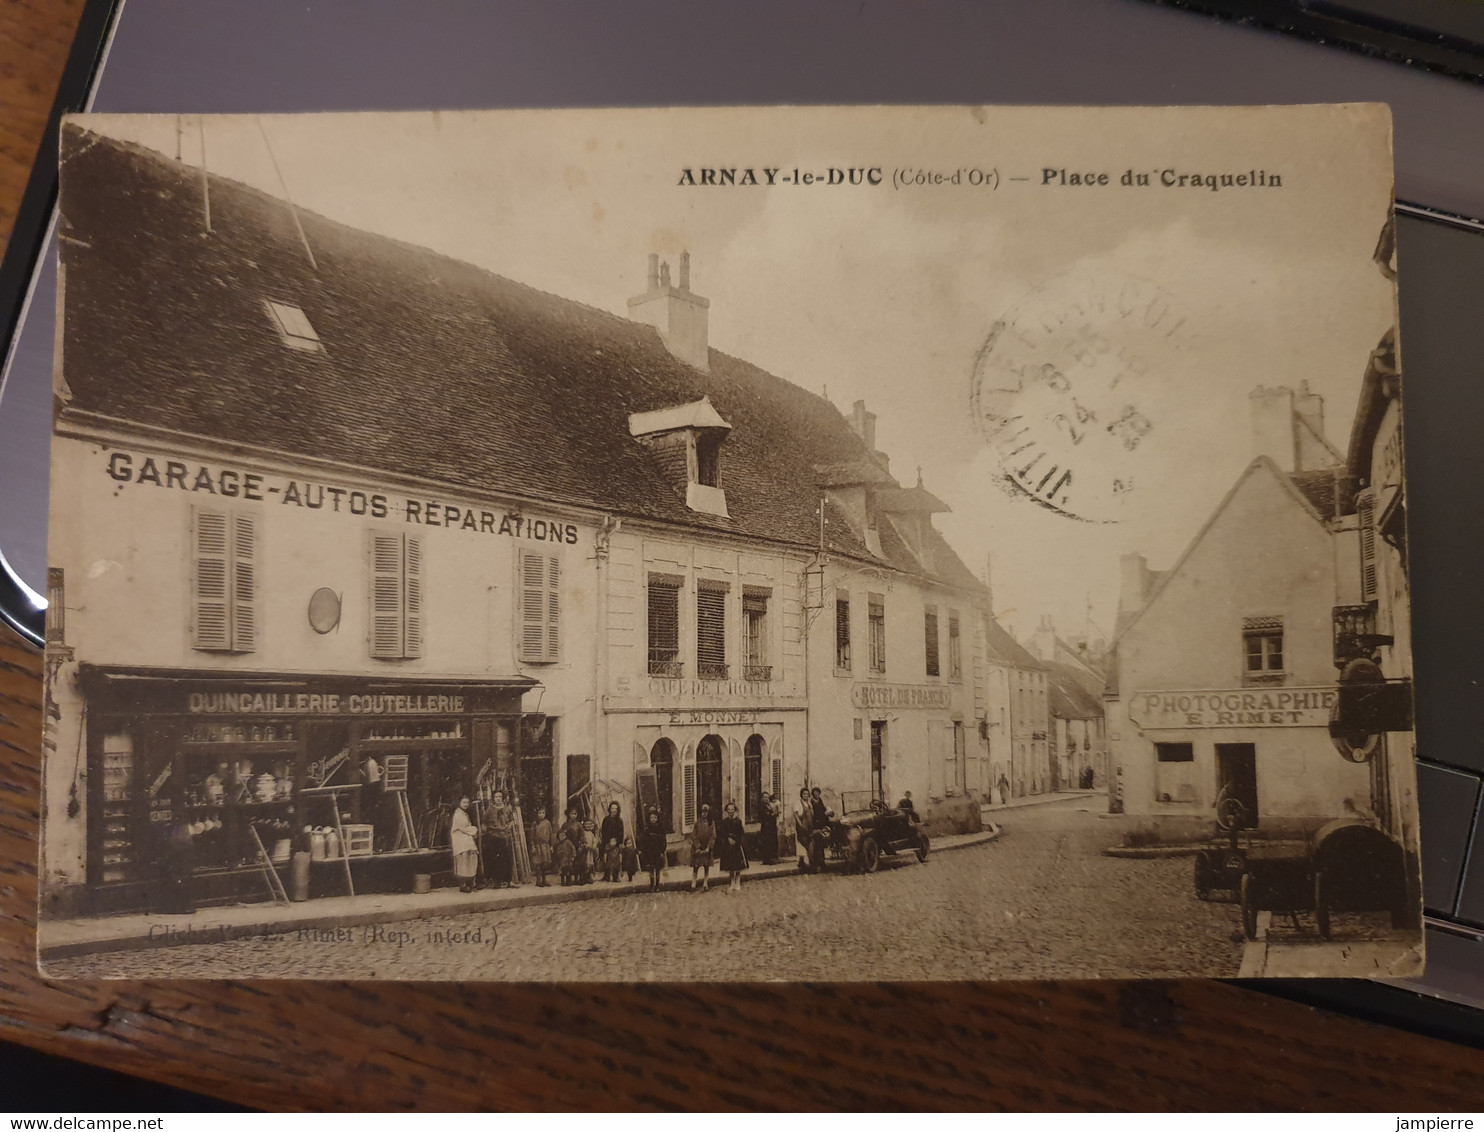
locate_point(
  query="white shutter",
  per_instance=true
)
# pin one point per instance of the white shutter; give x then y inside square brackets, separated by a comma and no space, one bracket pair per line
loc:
[1367,513]
[688,774]
[412,595]
[213,622]
[531,600]
[244,582]
[553,607]
[386,596]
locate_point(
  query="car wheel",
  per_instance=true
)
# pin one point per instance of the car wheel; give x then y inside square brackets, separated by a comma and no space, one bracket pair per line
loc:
[1249,907]
[922,847]
[870,855]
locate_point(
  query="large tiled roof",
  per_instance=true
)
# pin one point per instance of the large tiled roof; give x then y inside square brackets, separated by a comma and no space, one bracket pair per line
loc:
[1003,648]
[431,368]
[1070,698]
[1327,490]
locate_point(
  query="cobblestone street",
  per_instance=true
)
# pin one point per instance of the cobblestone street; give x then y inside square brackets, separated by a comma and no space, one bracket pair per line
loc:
[1040,902]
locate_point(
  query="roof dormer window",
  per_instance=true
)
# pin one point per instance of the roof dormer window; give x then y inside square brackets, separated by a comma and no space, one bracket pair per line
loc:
[293,326]
[686,442]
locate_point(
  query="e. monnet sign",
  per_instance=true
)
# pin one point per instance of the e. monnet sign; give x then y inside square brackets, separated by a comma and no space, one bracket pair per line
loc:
[1239,707]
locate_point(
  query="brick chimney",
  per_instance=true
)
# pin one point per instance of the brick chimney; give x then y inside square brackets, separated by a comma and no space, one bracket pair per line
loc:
[1134,591]
[677,312]
[863,424]
[1274,424]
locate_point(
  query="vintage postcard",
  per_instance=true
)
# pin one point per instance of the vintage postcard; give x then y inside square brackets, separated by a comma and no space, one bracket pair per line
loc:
[729,544]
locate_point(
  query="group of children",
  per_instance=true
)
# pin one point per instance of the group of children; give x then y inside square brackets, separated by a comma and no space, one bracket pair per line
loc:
[579,847]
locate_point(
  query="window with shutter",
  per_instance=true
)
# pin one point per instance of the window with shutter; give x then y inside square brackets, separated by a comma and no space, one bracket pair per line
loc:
[1366,512]
[842,631]
[244,583]
[213,628]
[755,626]
[224,581]
[412,595]
[711,631]
[955,648]
[775,780]
[689,800]
[396,596]
[930,636]
[876,610]
[539,602]
[664,625]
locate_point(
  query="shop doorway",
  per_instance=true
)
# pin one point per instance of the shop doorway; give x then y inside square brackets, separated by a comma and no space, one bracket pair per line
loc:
[579,785]
[708,775]
[537,766]
[752,776]
[662,761]
[1236,777]
[878,760]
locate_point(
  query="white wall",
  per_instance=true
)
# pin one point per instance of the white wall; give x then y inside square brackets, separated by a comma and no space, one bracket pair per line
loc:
[1264,554]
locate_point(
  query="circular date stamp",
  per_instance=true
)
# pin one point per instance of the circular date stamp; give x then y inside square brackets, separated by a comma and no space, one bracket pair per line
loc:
[1065,391]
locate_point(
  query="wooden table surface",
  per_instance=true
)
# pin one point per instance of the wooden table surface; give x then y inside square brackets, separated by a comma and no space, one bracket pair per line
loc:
[358,1046]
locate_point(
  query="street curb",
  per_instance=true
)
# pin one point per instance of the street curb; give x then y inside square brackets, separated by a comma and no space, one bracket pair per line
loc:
[555,894]
[1044,800]
[1146,852]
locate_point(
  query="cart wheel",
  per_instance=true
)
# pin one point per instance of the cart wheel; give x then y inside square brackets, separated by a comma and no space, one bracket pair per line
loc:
[922,847]
[1249,907]
[1321,904]
[1202,879]
[870,855]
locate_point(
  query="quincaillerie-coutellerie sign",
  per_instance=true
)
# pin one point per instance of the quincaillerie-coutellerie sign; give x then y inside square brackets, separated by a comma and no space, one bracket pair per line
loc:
[1239,707]
[899,696]
[316,703]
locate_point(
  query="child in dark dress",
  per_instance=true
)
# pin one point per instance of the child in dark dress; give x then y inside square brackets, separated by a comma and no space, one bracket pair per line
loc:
[652,849]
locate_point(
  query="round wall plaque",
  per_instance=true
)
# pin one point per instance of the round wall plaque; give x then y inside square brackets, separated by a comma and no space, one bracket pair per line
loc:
[324,610]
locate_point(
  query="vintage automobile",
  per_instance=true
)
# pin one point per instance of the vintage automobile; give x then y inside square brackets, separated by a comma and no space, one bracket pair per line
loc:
[860,836]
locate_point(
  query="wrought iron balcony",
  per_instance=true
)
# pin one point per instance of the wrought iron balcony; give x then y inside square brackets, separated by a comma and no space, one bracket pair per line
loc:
[1355,634]
[670,669]
[757,672]
[711,671]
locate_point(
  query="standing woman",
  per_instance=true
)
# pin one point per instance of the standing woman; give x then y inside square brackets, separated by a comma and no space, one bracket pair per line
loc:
[463,839]
[769,837]
[733,856]
[702,845]
[611,840]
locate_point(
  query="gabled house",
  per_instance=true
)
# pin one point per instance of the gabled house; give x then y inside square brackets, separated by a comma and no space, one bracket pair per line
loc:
[1221,682]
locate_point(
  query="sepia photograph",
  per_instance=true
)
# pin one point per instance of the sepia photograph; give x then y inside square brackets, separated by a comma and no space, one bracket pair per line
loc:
[729,544]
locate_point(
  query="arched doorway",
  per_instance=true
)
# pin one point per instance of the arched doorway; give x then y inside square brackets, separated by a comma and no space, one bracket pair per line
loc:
[708,775]
[662,759]
[752,778]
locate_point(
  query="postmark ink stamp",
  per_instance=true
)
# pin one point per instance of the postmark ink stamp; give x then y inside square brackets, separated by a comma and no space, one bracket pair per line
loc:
[1063,390]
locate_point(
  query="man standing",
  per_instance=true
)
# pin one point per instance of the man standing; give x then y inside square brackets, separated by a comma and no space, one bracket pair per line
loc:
[803,825]
[819,835]
[497,830]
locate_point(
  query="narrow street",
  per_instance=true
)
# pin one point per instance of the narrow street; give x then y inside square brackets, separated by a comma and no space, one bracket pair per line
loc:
[1041,902]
